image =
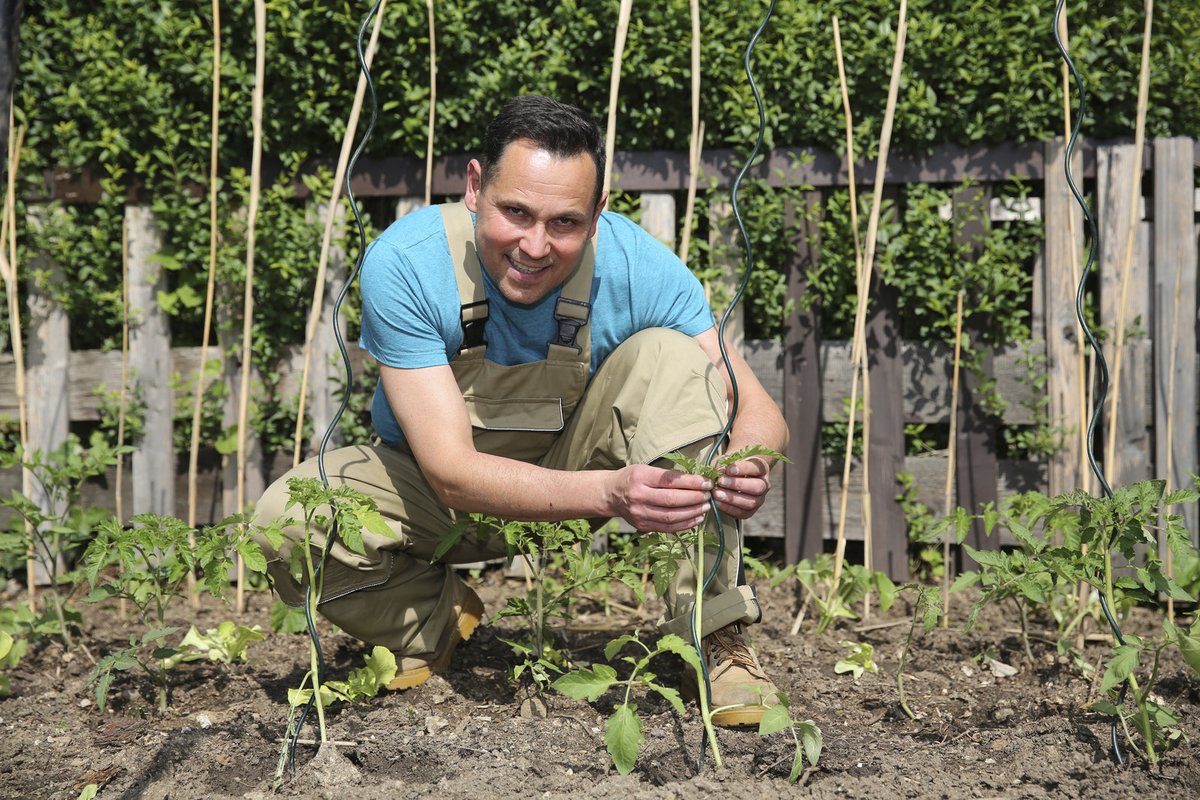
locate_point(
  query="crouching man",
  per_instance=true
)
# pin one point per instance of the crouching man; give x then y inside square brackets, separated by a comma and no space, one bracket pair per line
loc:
[538,357]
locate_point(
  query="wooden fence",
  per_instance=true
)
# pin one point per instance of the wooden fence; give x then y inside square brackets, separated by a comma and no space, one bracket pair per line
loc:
[809,377]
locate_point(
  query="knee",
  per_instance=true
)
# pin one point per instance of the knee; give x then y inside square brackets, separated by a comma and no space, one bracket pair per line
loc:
[666,346]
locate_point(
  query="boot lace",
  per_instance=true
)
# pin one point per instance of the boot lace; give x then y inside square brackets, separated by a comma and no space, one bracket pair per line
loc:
[727,648]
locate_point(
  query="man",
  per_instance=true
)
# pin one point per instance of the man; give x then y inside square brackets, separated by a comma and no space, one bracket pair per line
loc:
[537,359]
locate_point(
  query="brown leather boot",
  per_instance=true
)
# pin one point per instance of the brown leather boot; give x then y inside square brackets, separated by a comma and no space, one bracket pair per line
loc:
[740,686]
[414,670]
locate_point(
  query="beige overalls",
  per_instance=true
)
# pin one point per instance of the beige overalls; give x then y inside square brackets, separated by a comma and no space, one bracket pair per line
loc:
[657,392]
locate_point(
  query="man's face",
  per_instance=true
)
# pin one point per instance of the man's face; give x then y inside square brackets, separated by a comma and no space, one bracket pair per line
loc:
[533,218]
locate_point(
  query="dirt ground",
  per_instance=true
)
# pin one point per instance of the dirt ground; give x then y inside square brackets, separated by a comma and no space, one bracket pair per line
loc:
[470,733]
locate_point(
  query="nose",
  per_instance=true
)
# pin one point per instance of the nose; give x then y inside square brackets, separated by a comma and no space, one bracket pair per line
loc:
[535,243]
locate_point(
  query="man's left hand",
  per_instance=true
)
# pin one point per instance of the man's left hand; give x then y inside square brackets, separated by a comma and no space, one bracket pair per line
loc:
[743,487]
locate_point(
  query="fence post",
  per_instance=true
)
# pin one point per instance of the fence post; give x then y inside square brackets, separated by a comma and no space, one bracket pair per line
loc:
[1175,235]
[804,478]
[325,369]
[150,364]
[407,205]
[975,464]
[1063,259]
[889,531]
[658,216]
[1131,456]
[47,374]
[725,241]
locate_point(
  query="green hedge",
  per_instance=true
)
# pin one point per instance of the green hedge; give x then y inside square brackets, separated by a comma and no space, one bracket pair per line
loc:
[124,86]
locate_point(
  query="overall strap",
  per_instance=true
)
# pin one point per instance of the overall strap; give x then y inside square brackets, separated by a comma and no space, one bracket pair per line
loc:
[460,234]
[572,311]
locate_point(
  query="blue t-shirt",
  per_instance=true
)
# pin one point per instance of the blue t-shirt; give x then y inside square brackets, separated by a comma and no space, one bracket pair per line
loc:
[411,304]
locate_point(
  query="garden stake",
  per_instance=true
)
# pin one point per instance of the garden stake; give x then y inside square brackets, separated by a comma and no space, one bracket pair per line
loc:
[696,143]
[198,389]
[610,134]
[260,56]
[857,358]
[314,314]
[1072,237]
[865,495]
[951,448]
[8,231]
[432,101]
[1135,191]
[1106,599]
[858,266]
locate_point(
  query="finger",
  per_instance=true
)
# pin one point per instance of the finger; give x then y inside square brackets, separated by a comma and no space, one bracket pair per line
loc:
[751,486]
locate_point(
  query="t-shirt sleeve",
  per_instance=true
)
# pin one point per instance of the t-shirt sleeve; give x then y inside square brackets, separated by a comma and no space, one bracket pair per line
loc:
[401,326]
[664,292]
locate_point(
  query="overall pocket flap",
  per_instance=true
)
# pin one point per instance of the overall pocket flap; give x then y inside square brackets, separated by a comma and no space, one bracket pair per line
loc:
[516,414]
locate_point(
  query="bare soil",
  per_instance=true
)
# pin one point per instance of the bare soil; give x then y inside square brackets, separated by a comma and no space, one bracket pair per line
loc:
[472,733]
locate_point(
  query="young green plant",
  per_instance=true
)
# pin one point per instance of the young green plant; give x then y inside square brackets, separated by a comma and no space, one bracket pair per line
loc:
[53,525]
[549,550]
[350,513]
[623,731]
[147,565]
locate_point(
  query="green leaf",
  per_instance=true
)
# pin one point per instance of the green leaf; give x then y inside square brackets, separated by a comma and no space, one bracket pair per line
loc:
[774,719]
[285,619]
[810,737]
[671,695]
[671,643]
[623,737]
[1189,646]
[586,684]
[614,647]
[89,792]
[1120,666]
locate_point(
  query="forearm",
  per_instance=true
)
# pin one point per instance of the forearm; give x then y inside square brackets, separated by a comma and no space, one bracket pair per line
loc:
[758,422]
[510,489]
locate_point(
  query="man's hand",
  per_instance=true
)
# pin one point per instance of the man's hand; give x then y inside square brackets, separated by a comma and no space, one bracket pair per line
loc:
[659,500]
[743,487]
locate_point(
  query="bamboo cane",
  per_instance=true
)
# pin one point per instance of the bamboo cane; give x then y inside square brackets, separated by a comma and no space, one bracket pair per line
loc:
[696,143]
[1135,193]
[432,101]
[952,451]
[858,346]
[314,315]
[210,289]
[840,548]
[614,85]
[8,267]
[260,57]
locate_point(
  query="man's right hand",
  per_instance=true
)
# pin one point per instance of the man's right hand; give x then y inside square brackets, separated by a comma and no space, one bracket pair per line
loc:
[660,500]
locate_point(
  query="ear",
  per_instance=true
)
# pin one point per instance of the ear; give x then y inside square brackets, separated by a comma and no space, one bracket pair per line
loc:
[596,216]
[474,185]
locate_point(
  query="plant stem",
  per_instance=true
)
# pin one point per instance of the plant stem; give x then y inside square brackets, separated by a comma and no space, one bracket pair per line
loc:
[698,626]
[904,657]
[313,597]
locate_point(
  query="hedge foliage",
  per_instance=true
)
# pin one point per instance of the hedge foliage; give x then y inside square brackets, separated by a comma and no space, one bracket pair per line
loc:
[123,86]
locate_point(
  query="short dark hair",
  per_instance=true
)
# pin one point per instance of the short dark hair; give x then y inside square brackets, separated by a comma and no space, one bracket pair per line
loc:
[559,128]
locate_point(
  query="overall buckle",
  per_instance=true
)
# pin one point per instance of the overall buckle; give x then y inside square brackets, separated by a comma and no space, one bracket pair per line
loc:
[571,315]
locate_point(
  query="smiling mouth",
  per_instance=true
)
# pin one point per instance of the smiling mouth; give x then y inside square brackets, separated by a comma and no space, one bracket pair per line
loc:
[525,270]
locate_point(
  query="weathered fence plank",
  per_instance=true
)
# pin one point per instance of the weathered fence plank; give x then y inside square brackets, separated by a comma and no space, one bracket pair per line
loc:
[1175,235]
[658,216]
[975,460]
[1114,171]
[47,354]
[804,477]
[1063,261]
[325,370]
[154,459]
[889,531]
